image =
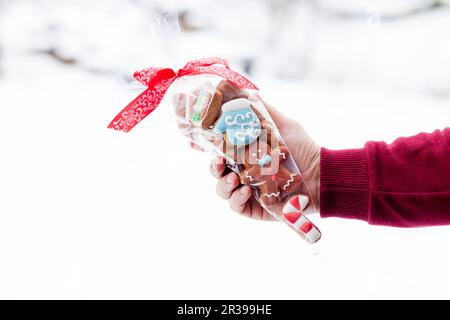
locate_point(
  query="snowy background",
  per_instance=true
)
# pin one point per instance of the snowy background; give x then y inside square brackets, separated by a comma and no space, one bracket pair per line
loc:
[86,212]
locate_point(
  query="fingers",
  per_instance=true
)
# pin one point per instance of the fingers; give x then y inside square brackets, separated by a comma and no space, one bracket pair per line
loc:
[280,119]
[239,198]
[276,115]
[226,185]
[217,167]
[229,188]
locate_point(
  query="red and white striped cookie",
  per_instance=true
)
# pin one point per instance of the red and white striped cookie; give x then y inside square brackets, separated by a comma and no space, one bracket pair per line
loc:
[292,214]
[296,204]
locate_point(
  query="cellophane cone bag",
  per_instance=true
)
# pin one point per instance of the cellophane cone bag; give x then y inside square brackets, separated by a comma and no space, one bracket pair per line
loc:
[234,125]
[221,112]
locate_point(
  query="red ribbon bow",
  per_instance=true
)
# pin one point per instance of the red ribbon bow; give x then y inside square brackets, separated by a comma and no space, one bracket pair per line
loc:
[158,80]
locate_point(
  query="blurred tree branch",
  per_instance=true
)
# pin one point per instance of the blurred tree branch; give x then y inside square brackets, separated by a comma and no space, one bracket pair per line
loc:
[358,15]
[71,61]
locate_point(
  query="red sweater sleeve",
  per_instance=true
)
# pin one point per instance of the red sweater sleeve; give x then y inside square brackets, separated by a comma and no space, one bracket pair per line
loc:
[403,184]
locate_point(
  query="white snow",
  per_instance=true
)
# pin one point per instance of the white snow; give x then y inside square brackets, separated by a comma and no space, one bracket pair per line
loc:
[87,212]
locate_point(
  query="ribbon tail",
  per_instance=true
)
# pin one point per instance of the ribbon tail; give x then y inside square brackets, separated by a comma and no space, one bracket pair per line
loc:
[132,114]
[146,102]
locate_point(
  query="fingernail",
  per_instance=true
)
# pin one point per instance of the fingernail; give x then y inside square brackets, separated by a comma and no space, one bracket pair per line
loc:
[230,178]
[243,190]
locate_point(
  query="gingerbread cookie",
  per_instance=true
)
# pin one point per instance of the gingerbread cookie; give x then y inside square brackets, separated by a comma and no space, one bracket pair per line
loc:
[211,114]
[264,170]
[230,92]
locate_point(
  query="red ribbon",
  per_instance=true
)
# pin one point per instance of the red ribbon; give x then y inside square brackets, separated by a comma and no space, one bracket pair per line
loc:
[158,80]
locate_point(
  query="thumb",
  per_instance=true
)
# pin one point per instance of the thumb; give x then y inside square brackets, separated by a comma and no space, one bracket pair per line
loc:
[277,117]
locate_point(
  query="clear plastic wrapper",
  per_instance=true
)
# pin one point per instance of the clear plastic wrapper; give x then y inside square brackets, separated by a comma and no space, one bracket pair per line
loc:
[220,111]
[234,124]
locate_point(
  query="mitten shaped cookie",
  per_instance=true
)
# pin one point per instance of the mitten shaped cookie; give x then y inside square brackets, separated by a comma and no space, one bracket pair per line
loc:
[239,123]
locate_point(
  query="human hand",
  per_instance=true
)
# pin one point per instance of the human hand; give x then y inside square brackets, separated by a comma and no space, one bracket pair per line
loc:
[303,149]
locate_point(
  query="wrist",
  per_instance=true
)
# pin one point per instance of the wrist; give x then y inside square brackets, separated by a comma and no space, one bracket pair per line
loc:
[315,187]
[312,180]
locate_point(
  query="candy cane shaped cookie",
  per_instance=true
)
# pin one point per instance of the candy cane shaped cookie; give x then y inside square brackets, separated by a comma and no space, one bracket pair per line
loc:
[293,216]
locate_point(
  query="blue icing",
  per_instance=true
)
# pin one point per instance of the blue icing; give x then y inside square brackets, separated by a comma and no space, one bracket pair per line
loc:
[264,160]
[241,126]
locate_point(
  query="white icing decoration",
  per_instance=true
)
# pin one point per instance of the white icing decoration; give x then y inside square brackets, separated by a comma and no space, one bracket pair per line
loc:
[242,135]
[201,101]
[247,129]
[257,184]
[248,176]
[272,194]
[289,181]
